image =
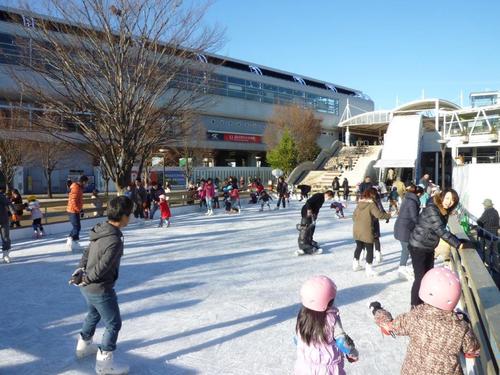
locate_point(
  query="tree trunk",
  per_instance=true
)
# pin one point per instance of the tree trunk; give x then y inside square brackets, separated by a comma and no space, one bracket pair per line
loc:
[106,186]
[49,183]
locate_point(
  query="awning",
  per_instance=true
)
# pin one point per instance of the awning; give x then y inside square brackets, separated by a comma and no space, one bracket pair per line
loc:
[395,164]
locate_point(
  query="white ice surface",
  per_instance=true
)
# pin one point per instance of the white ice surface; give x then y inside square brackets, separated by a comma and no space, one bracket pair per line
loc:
[209,295]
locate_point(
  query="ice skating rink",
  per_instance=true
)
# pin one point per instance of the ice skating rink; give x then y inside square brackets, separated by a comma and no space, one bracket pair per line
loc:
[209,295]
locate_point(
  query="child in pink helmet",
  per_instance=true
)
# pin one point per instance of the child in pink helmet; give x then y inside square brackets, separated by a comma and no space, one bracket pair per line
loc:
[438,334]
[321,340]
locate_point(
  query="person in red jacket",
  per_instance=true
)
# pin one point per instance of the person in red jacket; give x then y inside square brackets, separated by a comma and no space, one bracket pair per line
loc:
[164,211]
[74,209]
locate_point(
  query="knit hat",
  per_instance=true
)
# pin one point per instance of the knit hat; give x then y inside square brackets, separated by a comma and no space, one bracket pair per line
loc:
[32,198]
[488,203]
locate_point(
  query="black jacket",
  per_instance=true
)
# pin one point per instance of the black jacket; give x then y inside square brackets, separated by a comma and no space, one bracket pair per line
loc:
[315,203]
[282,188]
[489,220]
[407,218]
[101,259]
[364,186]
[345,185]
[430,226]
[5,207]
[335,185]
[376,221]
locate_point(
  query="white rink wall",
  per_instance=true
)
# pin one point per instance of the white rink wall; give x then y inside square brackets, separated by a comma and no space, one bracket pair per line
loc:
[476,182]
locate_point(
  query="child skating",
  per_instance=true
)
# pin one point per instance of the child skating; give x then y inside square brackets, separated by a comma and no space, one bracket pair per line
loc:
[264,199]
[438,335]
[339,209]
[36,216]
[164,211]
[321,340]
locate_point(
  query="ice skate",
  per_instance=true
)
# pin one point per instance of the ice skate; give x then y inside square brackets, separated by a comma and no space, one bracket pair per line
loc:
[69,244]
[75,246]
[299,252]
[5,256]
[35,235]
[85,348]
[105,364]
[355,265]
[405,273]
[378,257]
[370,272]
[318,251]
[363,255]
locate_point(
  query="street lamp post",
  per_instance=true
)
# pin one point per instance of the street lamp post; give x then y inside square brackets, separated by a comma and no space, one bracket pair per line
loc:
[257,163]
[442,142]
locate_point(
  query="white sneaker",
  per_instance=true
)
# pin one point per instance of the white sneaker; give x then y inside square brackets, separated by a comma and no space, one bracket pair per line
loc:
[370,272]
[378,257]
[355,265]
[5,256]
[105,365]
[299,252]
[85,348]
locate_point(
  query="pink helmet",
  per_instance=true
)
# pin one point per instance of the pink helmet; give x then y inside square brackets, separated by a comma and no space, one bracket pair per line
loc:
[440,288]
[317,292]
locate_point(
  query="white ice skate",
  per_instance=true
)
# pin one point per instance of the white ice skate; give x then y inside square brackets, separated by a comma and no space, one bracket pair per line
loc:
[355,265]
[299,252]
[405,273]
[5,256]
[370,272]
[105,364]
[363,255]
[85,348]
[318,251]
[75,246]
[69,244]
[378,257]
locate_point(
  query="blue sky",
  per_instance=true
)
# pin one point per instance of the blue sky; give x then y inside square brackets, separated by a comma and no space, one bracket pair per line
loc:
[385,48]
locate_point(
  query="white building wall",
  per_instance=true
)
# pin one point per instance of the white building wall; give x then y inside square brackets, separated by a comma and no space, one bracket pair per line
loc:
[476,182]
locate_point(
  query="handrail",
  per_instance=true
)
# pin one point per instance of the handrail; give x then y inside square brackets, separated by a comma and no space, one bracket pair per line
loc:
[481,299]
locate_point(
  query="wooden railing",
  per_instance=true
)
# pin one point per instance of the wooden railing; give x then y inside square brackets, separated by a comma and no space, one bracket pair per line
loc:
[481,299]
[54,210]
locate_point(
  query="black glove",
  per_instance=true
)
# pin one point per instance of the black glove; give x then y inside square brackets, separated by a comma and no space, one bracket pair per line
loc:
[77,277]
[467,244]
[375,306]
[462,315]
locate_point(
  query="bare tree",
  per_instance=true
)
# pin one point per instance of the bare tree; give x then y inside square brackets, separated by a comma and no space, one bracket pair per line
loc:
[49,153]
[119,76]
[303,126]
[11,147]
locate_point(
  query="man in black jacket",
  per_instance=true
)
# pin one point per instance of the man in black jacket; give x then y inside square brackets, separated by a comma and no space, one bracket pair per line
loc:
[489,223]
[282,190]
[96,275]
[156,191]
[5,207]
[310,210]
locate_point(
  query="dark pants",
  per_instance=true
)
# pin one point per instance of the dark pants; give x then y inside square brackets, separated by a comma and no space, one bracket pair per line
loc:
[346,195]
[360,245]
[102,306]
[139,211]
[74,219]
[4,233]
[281,198]
[422,261]
[37,225]
[376,243]
[154,207]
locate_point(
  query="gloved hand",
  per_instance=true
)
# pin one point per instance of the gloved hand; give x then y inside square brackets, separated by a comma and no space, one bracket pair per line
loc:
[466,244]
[462,315]
[346,346]
[77,277]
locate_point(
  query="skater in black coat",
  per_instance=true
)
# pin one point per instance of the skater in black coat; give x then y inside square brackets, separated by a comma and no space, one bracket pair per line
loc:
[345,187]
[304,191]
[336,186]
[282,190]
[311,209]
[430,227]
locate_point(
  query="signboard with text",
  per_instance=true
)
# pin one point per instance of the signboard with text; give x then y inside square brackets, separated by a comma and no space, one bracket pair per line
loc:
[231,137]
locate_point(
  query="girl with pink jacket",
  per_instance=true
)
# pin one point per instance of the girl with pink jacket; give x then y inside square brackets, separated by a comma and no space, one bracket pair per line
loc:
[321,340]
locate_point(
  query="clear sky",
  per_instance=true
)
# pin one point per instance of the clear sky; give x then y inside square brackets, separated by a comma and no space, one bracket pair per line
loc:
[388,49]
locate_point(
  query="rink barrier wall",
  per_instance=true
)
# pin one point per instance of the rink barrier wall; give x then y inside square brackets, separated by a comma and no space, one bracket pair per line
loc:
[481,300]
[55,220]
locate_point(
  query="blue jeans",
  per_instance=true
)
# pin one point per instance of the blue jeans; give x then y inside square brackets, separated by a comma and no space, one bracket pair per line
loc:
[103,306]
[155,206]
[405,253]
[74,219]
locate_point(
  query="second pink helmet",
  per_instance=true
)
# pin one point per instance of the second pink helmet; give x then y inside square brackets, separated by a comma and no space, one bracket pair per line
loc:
[317,292]
[440,288]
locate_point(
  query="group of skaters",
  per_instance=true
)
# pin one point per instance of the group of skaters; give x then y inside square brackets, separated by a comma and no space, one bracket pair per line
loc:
[438,331]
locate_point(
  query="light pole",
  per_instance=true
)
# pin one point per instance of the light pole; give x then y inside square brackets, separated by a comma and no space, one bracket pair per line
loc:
[163,151]
[257,163]
[442,142]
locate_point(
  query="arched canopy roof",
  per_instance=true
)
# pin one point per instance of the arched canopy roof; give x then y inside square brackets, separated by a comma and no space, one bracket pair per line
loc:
[426,104]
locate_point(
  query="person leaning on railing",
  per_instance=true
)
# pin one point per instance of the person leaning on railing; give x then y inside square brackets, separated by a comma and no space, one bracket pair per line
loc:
[488,224]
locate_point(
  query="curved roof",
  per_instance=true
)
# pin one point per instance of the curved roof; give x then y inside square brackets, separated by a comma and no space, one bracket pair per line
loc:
[426,104]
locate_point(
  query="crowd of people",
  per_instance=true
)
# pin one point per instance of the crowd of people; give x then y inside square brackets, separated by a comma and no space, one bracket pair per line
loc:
[421,212]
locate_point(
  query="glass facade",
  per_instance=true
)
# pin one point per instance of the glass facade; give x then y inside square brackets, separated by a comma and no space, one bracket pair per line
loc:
[216,84]
[224,85]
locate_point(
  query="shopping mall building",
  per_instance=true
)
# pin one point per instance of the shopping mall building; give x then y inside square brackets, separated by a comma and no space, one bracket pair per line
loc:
[243,96]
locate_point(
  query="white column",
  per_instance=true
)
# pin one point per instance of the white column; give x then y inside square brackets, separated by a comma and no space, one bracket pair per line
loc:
[436,168]
[347,137]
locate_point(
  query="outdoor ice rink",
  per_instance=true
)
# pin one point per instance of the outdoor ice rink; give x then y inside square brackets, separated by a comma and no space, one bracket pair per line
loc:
[209,295]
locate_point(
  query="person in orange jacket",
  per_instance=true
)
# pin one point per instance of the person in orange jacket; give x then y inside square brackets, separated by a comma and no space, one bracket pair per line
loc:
[74,209]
